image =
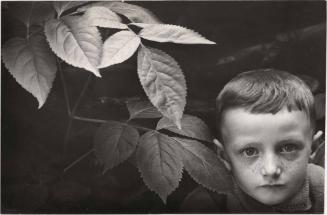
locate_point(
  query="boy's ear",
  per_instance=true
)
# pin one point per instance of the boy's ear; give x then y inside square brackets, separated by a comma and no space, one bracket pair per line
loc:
[221,153]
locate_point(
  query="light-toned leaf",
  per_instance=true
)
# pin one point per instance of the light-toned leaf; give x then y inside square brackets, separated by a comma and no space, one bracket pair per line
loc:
[119,47]
[103,17]
[114,142]
[320,105]
[159,162]
[134,13]
[75,43]
[62,6]
[204,166]
[172,33]
[163,82]
[142,109]
[191,126]
[32,64]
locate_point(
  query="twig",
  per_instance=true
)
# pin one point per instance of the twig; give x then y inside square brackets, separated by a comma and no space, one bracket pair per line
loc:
[86,119]
[63,81]
[78,160]
[81,94]
[297,35]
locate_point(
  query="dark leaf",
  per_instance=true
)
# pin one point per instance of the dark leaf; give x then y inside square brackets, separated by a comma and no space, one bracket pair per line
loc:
[142,109]
[191,126]
[114,142]
[204,166]
[160,164]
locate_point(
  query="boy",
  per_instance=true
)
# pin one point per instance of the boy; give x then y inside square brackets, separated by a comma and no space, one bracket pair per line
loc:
[266,123]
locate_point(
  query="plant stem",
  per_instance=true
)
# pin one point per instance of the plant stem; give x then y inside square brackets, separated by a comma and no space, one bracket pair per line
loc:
[81,95]
[78,160]
[67,135]
[85,119]
[63,81]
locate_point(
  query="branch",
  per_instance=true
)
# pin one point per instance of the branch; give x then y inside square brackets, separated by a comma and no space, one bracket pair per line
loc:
[291,36]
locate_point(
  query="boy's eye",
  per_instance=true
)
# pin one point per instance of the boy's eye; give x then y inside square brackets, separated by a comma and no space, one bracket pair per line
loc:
[250,152]
[288,148]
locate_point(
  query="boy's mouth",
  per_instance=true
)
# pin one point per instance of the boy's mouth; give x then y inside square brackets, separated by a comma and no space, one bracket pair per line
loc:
[273,185]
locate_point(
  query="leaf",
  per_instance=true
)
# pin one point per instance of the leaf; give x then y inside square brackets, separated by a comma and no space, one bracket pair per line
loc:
[74,42]
[119,47]
[103,17]
[142,109]
[320,105]
[114,142]
[204,166]
[132,12]
[62,6]
[191,126]
[163,82]
[32,64]
[159,162]
[172,33]
[32,12]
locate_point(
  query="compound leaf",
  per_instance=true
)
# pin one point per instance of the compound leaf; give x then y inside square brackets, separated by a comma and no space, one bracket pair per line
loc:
[163,82]
[204,166]
[134,13]
[32,64]
[172,33]
[103,17]
[114,142]
[75,42]
[159,162]
[119,47]
[62,6]
[142,109]
[191,126]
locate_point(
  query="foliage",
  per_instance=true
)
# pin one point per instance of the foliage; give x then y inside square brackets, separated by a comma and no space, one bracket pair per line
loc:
[71,32]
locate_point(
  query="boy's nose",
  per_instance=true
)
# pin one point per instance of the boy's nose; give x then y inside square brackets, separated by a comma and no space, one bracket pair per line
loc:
[271,167]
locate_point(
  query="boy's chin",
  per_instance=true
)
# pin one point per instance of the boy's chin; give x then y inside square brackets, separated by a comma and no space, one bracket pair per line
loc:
[271,200]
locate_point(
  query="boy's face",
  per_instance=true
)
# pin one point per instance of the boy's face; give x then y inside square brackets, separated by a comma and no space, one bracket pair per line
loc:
[268,154]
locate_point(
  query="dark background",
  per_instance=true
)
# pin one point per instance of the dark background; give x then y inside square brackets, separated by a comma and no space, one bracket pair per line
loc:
[32,159]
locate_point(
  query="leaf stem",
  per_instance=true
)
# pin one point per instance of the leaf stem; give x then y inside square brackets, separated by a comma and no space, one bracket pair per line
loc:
[86,119]
[63,81]
[81,94]
[78,160]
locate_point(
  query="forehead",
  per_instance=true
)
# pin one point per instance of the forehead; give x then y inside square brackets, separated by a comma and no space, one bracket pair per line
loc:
[242,124]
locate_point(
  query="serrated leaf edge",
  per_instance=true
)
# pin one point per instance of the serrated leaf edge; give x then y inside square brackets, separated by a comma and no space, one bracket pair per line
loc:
[95,72]
[121,161]
[178,26]
[184,81]
[40,104]
[180,176]
[195,179]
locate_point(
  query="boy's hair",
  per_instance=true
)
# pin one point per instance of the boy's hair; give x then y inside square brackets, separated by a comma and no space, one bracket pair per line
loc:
[266,91]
